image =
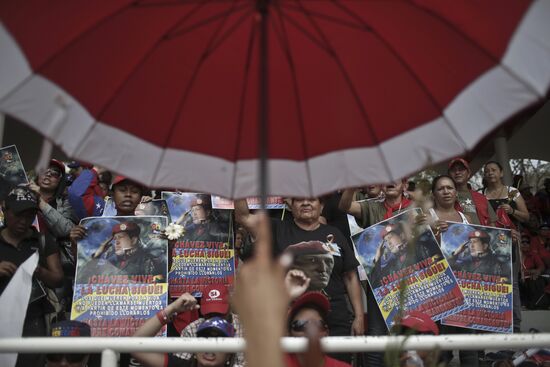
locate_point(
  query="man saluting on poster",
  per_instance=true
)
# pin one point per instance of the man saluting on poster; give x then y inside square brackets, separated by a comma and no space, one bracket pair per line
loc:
[481,260]
[126,257]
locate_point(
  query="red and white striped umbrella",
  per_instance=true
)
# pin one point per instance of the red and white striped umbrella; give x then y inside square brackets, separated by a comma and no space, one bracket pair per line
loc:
[167,91]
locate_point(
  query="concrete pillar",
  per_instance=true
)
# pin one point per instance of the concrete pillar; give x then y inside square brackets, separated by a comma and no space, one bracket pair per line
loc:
[2,124]
[501,154]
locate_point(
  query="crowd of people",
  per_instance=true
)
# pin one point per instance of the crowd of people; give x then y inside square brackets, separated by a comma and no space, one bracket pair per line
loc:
[322,281]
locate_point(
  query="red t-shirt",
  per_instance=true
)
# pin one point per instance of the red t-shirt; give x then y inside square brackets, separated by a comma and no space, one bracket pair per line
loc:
[291,360]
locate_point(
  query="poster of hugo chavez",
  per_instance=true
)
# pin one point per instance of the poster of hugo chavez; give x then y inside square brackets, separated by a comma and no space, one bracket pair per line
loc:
[121,275]
[481,259]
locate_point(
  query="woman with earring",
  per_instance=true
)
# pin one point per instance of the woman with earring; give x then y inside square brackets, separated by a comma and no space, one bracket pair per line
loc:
[445,210]
[503,198]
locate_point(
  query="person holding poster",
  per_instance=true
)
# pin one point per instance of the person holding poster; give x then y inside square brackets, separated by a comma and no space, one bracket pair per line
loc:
[368,213]
[445,195]
[307,228]
[127,195]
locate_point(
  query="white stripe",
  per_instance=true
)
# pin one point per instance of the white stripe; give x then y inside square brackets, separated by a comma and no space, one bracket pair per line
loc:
[491,99]
[528,53]
[47,108]
[13,67]
[13,303]
[479,109]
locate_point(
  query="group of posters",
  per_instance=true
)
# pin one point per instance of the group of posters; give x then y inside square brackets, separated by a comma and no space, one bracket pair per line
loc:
[126,269]
[465,282]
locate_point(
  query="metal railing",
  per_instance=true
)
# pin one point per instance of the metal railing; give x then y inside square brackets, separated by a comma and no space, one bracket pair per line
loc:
[109,347]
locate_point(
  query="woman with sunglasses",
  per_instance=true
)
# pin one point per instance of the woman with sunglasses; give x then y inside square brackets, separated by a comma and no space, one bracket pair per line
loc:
[307,316]
[56,218]
[56,214]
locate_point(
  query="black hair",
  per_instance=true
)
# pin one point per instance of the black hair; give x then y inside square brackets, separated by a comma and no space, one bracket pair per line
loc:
[436,180]
[495,163]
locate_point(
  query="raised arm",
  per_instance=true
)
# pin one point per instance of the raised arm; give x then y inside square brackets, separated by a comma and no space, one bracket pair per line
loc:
[243,216]
[348,205]
[152,326]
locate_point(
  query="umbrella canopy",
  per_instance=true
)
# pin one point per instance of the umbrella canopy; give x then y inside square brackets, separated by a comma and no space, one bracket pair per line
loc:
[167,91]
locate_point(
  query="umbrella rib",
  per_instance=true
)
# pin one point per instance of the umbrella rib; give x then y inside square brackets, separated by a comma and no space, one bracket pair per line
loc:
[242,107]
[174,3]
[220,40]
[330,50]
[69,44]
[84,33]
[208,20]
[188,88]
[333,19]
[412,73]
[283,39]
[477,46]
[144,58]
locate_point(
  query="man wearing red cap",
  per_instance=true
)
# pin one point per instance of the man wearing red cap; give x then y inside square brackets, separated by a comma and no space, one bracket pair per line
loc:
[308,315]
[127,195]
[472,203]
[481,259]
[418,323]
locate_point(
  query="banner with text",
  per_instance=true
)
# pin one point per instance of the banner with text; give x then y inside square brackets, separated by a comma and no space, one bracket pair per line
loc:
[405,268]
[121,275]
[481,259]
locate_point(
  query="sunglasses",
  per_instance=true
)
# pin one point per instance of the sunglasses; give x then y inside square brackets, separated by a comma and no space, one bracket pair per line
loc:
[52,173]
[69,357]
[301,325]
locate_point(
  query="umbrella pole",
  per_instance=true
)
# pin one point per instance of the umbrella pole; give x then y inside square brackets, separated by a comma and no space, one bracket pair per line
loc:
[262,7]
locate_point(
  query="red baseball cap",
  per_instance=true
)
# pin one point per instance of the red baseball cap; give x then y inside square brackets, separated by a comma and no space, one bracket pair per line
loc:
[316,298]
[58,164]
[118,179]
[215,299]
[420,322]
[459,161]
